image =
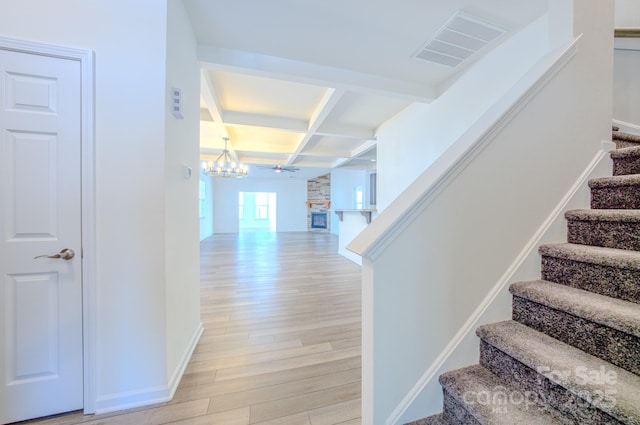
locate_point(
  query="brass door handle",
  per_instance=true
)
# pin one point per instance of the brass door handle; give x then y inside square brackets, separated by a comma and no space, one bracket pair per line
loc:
[65,254]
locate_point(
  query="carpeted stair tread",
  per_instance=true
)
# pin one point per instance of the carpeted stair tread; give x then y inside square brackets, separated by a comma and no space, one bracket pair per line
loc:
[605,327]
[617,192]
[614,313]
[473,383]
[605,227]
[627,137]
[626,161]
[540,352]
[438,419]
[626,216]
[615,181]
[612,257]
[630,152]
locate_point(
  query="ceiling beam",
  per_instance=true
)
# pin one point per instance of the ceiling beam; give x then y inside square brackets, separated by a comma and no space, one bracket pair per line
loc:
[250,63]
[295,125]
[323,109]
[212,104]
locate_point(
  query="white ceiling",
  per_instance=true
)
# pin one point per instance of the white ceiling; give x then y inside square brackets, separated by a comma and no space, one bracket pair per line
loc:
[307,82]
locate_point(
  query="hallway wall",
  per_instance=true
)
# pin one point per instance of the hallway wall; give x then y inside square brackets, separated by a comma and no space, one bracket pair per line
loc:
[133,275]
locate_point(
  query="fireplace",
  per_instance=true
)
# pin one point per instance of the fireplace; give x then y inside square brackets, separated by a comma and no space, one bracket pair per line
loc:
[319,220]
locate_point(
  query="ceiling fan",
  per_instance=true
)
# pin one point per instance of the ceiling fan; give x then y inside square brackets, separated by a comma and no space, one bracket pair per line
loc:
[280,168]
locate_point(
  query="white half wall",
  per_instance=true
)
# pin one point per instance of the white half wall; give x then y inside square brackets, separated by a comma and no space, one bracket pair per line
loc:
[626,88]
[343,188]
[626,62]
[291,202]
[627,14]
[439,250]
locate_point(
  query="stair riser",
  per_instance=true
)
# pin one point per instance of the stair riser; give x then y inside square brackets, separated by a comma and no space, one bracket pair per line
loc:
[605,280]
[618,197]
[456,413]
[609,344]
[626,166]
[438,419]
[610,234]
[620,144]
[536,386]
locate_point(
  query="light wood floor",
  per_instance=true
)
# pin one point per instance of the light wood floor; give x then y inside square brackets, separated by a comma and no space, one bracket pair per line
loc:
[281,345]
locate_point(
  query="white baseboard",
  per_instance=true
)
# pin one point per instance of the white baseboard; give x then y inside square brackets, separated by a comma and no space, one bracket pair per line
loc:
[186,357]
[426,385]
[131,399]
[627,127]
[151,395]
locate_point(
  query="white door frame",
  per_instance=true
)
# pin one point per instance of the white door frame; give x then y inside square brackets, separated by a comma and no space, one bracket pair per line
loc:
[86,60]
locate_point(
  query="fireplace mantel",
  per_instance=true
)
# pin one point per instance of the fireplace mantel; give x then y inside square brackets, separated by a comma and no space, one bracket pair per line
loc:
[327,204]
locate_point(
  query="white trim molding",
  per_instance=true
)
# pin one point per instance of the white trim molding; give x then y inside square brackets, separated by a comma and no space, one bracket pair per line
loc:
[151,395]
[174,381]
[86,59]
[627,127]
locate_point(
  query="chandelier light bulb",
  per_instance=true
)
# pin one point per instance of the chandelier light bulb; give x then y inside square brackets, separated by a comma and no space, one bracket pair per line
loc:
[224,165]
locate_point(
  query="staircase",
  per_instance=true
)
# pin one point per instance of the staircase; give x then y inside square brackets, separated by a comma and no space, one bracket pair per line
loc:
[571,354]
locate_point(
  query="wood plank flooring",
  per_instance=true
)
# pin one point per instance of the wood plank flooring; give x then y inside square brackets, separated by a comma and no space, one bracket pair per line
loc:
[281,345]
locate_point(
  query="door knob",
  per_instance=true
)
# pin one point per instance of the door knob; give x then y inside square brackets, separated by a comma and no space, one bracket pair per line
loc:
[65,254]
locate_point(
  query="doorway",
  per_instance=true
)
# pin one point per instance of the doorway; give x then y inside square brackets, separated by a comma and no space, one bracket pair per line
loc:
[257,212]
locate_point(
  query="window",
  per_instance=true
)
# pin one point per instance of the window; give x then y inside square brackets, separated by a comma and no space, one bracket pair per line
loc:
[262,206]
[373,183]
[359,197]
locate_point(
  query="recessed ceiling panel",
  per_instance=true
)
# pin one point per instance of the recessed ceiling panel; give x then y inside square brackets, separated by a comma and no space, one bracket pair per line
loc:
[250,157]
[315,160]
[259,95]
[210,135]
[331,146]
[260,139]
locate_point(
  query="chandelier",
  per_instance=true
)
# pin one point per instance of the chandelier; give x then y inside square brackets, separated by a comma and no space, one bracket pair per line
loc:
[224,166]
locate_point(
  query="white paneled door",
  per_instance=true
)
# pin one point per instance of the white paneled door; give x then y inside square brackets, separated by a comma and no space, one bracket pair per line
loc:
[41,370]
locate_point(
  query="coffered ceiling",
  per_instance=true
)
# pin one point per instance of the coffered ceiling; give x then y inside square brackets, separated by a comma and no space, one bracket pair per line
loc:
[307,82]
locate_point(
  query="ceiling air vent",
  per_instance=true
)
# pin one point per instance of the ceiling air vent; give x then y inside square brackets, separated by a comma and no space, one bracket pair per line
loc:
[458,40]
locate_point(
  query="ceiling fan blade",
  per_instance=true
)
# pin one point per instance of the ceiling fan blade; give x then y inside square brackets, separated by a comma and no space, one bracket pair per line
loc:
[279,168]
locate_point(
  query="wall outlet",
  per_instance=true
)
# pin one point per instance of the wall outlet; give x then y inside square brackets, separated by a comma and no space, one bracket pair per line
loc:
[186,171]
